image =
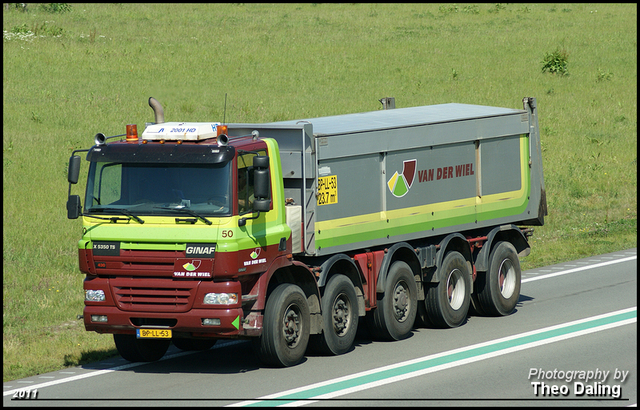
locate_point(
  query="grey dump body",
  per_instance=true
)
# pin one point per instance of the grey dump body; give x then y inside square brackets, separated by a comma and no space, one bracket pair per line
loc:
[377,178]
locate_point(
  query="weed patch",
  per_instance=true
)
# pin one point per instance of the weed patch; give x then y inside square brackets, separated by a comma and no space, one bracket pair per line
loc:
[55,7]
[556,62]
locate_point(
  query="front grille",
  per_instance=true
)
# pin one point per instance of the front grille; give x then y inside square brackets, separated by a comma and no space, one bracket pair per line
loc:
[138,263]
[153,295]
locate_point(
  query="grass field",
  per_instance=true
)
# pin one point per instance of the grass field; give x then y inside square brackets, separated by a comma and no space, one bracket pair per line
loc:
[71,71]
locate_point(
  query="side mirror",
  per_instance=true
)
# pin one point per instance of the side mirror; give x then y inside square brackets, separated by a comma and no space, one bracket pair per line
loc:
[74,169]
[262,205]
[73,206]
[261,161]
[261,190]
[261,183]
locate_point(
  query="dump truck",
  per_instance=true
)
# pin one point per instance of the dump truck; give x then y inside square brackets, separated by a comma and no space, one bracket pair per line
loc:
[292,233]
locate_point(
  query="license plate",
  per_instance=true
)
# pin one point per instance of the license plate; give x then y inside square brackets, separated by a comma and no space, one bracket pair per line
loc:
[153,333]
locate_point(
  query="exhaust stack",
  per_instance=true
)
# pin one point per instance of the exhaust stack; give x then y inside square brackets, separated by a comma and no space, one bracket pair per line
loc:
[157,110]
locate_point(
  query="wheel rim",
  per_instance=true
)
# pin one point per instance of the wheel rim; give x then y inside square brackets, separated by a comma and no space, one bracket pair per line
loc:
[507,278]
[401,301]
[291,325]
[341,309]
[455,289]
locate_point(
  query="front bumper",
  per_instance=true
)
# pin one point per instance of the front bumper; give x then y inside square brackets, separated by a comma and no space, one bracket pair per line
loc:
[137,303]
[189,322]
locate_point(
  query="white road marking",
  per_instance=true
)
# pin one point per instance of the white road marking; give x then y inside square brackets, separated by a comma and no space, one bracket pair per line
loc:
[564,272]
[105,371]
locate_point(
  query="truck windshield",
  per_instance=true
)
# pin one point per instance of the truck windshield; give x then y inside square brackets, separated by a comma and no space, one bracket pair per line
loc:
[158,188]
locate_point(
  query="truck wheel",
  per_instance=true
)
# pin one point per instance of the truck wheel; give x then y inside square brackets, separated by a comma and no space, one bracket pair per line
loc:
[286,326]
[193,344]
[447,302]
[140,350]
[339,317]
[395,315]
[498,289]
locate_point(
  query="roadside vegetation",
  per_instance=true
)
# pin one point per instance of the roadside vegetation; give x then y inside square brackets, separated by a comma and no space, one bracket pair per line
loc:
[71,71]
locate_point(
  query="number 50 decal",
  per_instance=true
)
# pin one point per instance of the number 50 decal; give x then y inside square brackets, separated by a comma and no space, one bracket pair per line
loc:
[227,233]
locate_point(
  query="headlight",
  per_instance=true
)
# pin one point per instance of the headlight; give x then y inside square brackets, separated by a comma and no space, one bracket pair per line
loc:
[220,299]
[94,295]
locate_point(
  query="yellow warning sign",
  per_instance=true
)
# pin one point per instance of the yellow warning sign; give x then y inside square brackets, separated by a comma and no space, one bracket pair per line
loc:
[328,190]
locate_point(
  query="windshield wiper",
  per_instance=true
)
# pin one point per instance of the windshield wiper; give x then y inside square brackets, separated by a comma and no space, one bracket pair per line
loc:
[188,211]
[122,211]
[112,219]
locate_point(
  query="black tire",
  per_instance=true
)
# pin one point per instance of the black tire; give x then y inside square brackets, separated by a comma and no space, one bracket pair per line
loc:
[498,289]
[395,315]
[193,344]
[286,326]
[447,302]
[339,317]
[140,350]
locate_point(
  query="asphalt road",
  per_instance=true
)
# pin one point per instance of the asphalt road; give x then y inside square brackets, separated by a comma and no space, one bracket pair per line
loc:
[571,342]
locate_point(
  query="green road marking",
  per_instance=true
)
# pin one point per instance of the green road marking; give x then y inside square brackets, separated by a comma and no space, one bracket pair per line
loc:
[428,364]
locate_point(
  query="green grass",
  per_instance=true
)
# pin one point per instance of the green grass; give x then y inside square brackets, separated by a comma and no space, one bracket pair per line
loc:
[72,72]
